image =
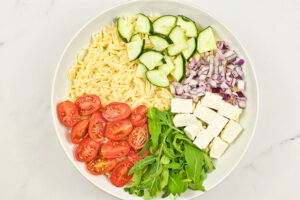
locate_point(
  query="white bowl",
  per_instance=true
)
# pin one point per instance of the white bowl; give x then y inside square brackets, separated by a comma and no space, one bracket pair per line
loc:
[82,38]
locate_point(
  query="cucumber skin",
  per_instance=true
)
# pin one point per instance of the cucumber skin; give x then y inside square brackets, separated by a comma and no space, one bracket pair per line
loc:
[131,39]
[198,36]
[151,26]
[164,37]
[140,52]
[183,73]
[119,31]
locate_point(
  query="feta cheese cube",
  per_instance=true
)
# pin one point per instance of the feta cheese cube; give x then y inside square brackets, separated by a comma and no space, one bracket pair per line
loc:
[203,139]
[181,120]
[231,131]
[217,125]
[181,105]
[193,130]
[217,148]
[204,113]
[230,111]
[211,100]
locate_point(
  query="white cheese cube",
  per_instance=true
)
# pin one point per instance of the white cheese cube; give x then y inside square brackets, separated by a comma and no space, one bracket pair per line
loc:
[231,131]
[230,111]
[181,120]
[217,148]
[193,130]
[211,100]
[181,105]
[204,113]
[217,125]
[203,139]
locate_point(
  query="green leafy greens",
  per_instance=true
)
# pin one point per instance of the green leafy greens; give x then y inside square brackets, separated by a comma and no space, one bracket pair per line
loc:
[174,163]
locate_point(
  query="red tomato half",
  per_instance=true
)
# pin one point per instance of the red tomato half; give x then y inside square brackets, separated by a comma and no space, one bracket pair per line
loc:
[87,150]
[88,104]
[115,149]
[119,176]
[139,116]
[79,131]
[97,127]
[133,155]
[116,111]
[118,130]
[67,113]
[100,165]
[138,137]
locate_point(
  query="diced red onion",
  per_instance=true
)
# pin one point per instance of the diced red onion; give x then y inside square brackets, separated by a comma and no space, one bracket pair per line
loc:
[242,104]
[215,90]
[225,97]
[230,56]
[239,62]
[193,83]
[222,45]
[172,89]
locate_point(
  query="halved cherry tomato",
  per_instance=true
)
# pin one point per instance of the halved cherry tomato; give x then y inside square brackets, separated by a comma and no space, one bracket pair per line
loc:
[97,127]
[133,155]
[101,165]
[138,137]
[116,111]
[139,116]
[118,130]
[67,113]
[79,131]
[115,149]
[119,176]
[88,104]
[87,150]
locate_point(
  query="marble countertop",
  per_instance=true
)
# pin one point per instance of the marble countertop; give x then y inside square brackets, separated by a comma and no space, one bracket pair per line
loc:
[33,34]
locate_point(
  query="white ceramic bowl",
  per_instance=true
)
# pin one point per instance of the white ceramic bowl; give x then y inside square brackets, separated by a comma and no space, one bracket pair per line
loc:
[82,38]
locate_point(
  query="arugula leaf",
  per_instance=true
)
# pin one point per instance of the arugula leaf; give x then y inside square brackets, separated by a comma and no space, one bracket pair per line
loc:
[175,184]
[130,190]
[198,184]
[173,165]
[166,194]
[164,178]
[152,180]
[194,160]
[144,149]
[169,152]
[155,130]
[142,164]
[137,176]
[164,160]
[208,164]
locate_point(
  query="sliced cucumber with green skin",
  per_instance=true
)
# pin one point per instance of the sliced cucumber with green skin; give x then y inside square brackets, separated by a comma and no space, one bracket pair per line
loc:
[143,24]
[141,70]
[168,66]
[206,40]
[177,35]
[164,24]
[179,71]
[135,37]
[135,49]
[159,42]
[188,25]
[191,48]
[125,29]
[151,59]
[175,49]
[157,78]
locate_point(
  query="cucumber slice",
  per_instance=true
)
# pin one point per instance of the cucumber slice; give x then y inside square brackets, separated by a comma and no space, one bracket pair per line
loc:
[175,49]
[168,66]
[141,71]
[177,35]
[143,24]
[157,78]
[179,71]
[135,37]
[159,42]
[164,24]
[188,25]
[135,49]
[151,59]
[190,50]
[206,40]
[125,29]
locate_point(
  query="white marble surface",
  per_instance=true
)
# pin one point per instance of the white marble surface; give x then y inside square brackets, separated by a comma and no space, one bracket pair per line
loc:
[33,34]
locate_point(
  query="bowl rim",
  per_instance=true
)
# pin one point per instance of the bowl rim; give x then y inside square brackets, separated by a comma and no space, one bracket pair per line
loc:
[183,2]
